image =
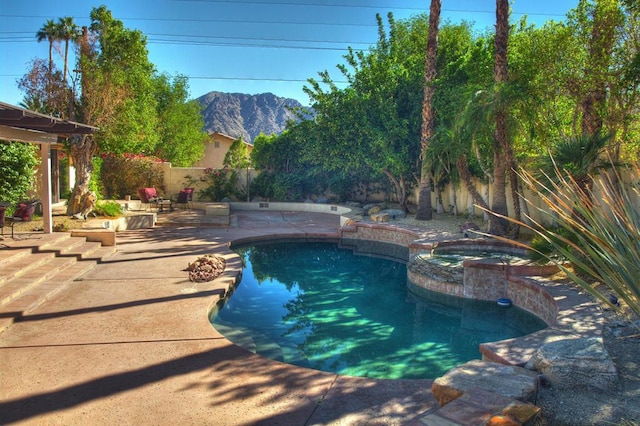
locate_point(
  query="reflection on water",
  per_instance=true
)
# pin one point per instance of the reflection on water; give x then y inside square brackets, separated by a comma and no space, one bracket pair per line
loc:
[319,306]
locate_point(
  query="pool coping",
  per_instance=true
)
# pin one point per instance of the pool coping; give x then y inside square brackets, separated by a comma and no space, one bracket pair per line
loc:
[574,313]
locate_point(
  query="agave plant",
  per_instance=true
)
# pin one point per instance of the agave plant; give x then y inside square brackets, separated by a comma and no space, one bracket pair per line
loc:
[596,231]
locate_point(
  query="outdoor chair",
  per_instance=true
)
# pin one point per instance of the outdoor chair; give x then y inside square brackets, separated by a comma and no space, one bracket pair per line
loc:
[185,198]
[23,212]
[148,197]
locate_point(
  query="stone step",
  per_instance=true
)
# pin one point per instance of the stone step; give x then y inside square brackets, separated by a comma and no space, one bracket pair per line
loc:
[9,256]
[483,393]
[21,284]
[62,245]
[18,266]
[32,275]
[481,408]
[77,247]
[38,295]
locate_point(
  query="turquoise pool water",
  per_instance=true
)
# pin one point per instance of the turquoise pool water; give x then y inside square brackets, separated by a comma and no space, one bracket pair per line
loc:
[317,305]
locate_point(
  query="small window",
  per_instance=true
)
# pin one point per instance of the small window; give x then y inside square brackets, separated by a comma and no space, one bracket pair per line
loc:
[216,144]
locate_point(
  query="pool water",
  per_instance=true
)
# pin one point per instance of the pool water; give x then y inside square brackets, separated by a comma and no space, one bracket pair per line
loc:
[317,305]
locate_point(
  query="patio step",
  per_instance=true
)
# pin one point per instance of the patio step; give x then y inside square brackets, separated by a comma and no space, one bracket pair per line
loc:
[34,270]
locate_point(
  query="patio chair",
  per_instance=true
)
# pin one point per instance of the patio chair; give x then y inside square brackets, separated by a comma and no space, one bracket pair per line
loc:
[185,198]
[23,212]
[148,197]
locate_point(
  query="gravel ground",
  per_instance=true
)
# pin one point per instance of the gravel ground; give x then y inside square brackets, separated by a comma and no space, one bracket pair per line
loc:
[620,406]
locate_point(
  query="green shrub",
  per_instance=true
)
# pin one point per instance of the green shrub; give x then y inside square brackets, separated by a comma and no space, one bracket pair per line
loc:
[262,185]
[220,184]
[278,187]
[108,209]
[18,163]
[95,184]
[123,174]
[597,231]
[288,187]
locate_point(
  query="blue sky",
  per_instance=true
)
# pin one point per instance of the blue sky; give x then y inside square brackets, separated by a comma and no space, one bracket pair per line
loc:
[243,46]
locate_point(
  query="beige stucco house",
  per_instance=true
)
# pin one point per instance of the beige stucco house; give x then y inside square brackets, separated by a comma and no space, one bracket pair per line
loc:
[216,149]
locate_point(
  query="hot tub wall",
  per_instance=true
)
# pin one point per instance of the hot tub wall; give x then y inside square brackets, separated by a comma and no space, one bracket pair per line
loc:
[483,280]
[492,281]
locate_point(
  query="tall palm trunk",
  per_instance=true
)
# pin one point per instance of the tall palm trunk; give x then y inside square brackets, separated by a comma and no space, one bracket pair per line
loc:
[465,175]
[51,40]
[500,72]
[425,210]
[66,59]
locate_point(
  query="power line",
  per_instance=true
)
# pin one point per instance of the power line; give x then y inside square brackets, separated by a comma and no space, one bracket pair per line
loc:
[248,45]
[167,42]
[259,38]
[236,21]
[277,3]
[363,6]
[31,35]
[197,77]
[220,21]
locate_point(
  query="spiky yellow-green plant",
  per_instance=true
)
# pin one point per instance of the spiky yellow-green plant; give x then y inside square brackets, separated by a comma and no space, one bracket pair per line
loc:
[597,230]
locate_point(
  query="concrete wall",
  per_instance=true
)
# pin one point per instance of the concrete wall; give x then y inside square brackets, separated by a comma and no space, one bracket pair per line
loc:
[177,178]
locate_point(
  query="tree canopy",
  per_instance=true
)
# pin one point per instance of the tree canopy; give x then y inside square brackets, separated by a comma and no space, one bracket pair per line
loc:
[117,89]
[563,79]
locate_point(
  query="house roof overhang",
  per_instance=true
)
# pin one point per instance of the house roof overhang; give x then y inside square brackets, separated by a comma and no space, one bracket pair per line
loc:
[19,124]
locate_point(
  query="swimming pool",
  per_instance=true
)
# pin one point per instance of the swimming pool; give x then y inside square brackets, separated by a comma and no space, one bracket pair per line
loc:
[317,305]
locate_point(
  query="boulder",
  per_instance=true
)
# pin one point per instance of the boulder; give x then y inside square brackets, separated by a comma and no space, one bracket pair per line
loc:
[576,362]
[394,213]
[373,210]
[379,217]
[368,206]
[506,380]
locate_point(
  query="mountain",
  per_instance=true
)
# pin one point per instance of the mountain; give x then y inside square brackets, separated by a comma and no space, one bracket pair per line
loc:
[238,114]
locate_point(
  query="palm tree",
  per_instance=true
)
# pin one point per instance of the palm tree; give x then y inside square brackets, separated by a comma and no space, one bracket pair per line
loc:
[67,31]
[49,32]
[501,144]
[579,158]
[428,119]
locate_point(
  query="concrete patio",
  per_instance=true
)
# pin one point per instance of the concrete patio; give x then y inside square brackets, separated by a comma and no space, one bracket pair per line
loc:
[130,343]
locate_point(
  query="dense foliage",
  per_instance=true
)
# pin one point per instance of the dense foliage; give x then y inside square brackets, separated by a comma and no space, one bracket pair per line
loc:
[116,89]
[17,168]
[595,240]
[571,79]
[220,184]
[124,174]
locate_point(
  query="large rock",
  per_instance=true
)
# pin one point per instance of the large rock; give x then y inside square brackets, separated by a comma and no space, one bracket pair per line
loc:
[394,213]
[576,362]
[379,217]
[507,380]
[373,210]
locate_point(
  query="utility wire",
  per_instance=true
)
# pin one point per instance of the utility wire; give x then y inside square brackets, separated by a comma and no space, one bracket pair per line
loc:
[278,3]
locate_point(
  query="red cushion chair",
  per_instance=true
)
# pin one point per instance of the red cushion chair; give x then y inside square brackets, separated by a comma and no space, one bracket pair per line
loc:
[22,213]
[185,197]
[148,196]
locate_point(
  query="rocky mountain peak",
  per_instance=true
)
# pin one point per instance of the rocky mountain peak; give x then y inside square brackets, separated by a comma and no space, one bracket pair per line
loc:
[239,114]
